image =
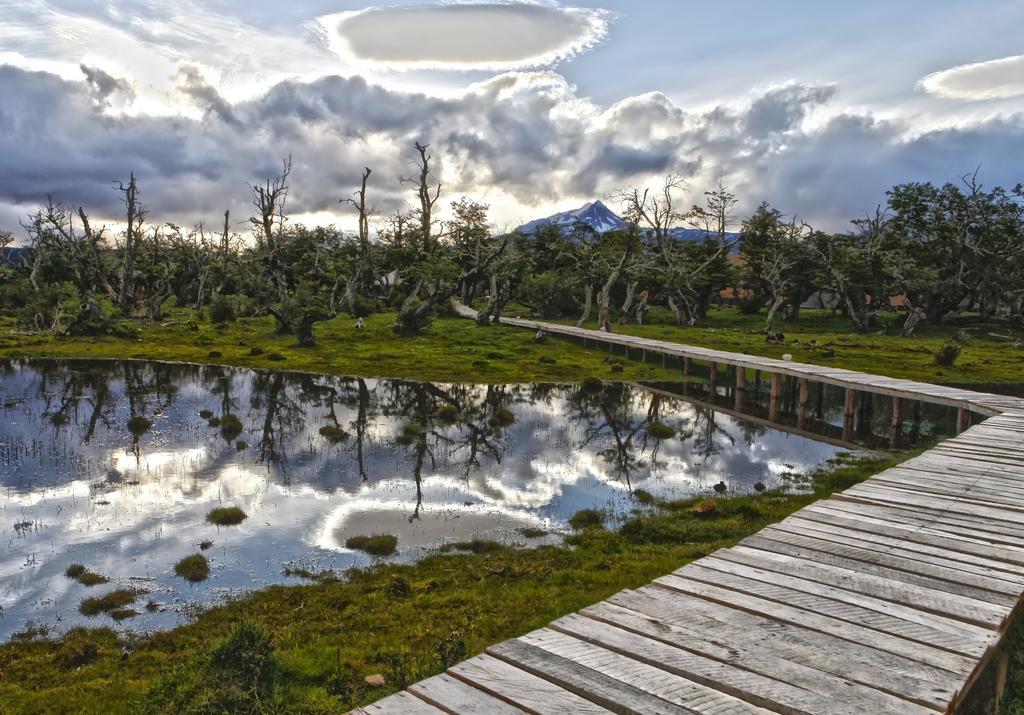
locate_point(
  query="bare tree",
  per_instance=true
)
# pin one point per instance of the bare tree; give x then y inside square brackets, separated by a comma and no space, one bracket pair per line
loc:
[363,267]
[135,215]
[428,190]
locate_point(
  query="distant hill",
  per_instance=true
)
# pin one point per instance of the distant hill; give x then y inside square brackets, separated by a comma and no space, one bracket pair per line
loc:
[602,219]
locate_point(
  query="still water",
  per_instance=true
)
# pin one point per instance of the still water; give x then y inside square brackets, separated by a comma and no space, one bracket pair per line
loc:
[315,460]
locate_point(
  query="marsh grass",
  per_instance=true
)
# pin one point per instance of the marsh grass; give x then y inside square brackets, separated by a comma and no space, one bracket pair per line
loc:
[194,568]
[84,576]
[587,519]
[107,603]
[376,545]
[404,621]
[226,516]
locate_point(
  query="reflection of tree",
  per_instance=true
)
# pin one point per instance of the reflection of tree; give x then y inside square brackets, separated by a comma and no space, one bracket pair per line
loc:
[282,414]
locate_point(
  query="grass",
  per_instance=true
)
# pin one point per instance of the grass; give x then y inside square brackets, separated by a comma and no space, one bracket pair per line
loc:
[586,518]
[226,516]
[194,568]
[84,576]
[450,349]
[821,338]
[402,621]
[376,545]
[108,603]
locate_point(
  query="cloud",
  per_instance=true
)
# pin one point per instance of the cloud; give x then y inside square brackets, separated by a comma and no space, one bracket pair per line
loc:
[478,36]
[995,79]
[106,89]
[524,142]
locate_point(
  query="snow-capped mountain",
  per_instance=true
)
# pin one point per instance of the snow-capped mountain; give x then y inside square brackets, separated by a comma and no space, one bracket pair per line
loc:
[602,219]
[595,214]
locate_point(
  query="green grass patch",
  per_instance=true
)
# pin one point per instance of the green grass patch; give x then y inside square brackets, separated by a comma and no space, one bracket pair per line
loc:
[476,546]
[376,545]
[226,516]
[586,519]
[107,603]
[194,568]
[84,576]
[403,621]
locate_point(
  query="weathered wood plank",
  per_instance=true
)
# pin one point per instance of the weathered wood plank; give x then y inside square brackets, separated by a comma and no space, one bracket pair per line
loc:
[399,704]
[950,605]
[514,685]
[456,696]
[597,687]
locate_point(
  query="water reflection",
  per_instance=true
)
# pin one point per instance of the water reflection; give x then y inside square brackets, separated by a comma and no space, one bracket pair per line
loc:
[314,460]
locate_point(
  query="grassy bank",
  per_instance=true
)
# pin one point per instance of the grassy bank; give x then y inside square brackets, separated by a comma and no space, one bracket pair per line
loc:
[823,339]
[451,350]
[310,648]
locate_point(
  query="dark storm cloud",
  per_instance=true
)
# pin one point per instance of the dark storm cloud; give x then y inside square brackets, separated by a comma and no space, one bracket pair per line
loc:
[528,136]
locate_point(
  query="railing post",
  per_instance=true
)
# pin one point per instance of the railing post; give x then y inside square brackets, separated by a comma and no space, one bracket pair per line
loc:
[741,386]
[773,399]
[801,419]
[686,365]
[849,412]
[713,373]
[963,419]
[896,423]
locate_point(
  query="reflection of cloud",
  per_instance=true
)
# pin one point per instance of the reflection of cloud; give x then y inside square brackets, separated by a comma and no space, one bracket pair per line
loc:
[995,79]
[490,36]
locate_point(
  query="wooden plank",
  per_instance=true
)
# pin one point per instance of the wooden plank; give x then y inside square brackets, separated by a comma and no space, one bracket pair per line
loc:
[821,622]
[953,545]
[658,669]
[749,674]
[876,563]
[455,696]
[877,539]
[513,685]
[942,603]
[856,662]
[399,704]
[957,525]
[599,688]
[892,495]
[895,619]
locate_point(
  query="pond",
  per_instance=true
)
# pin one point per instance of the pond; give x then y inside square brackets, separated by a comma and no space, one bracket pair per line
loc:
[115,465]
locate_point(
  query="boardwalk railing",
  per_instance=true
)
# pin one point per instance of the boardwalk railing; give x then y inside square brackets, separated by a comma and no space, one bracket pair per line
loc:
[891,597]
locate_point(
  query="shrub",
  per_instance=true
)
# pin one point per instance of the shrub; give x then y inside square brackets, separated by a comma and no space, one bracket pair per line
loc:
[947,355]
[333,434]
[194,568]
[586,518]
[139,425]
[222,310]
[226,516]
[230,427]
[79,647]
[550,294]
[376,545]
[660,430]
[448,413]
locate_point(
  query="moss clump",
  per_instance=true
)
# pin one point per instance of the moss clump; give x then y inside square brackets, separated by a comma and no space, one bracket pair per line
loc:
[194,568]
[226,516]
[592,384]
[277,357]
[81,646]
[660,430]
[139,425]
[643,496]
[205,544]
[448,413]
[530,533]
[255,350]
[586,519]
[106,603]
[504,418]
[230,427]
[213,422]
[122,614]
[376,545]
[205,414]
[214,354]
[947,355]
[476,546]
[333,434]
[84,576]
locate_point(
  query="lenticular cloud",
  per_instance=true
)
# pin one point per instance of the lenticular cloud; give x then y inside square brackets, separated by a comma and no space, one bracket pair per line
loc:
[482,36]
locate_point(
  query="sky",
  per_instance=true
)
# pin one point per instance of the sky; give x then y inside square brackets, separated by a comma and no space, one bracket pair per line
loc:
[530,107]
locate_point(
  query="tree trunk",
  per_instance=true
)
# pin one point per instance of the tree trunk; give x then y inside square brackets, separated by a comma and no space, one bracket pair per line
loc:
[627,304]
[770,320]
[588,303]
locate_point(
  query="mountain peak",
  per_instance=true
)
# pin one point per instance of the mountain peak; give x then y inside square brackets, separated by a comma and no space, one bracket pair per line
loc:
[594,214]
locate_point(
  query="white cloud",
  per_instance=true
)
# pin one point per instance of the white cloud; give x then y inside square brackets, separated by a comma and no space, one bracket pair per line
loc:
[995,79]
[466,36]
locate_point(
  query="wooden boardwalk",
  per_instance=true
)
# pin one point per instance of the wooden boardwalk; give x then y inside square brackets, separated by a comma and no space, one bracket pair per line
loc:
[890,597]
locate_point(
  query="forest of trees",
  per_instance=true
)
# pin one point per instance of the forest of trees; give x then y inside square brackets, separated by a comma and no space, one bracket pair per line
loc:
[939,254]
